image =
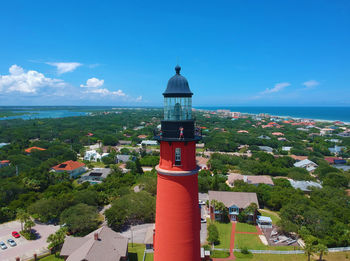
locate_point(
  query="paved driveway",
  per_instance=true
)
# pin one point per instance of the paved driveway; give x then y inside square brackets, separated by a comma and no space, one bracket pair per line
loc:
[24,248]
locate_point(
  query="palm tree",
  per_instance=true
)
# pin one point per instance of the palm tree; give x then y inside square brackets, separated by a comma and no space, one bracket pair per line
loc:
[22,216]
[28,225]
[57,238]
[309,249]
[322,250]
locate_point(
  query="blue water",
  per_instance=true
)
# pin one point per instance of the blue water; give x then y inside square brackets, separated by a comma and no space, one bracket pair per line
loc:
[45,114]
[317,113]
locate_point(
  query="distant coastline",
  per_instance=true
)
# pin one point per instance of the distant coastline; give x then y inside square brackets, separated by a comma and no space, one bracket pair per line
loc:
[315,113]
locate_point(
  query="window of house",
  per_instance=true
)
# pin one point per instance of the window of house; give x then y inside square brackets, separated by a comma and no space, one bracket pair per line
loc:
[177,156]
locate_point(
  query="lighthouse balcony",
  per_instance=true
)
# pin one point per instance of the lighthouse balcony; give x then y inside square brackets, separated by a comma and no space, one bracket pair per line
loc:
[178,131]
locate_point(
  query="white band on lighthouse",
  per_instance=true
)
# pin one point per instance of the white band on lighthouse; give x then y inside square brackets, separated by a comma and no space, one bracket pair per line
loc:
[177,173]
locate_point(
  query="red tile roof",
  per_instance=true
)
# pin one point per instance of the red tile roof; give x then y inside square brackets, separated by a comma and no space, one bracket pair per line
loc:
[29,150]
[331,159]
[4,161]
[68,165]
[298,158]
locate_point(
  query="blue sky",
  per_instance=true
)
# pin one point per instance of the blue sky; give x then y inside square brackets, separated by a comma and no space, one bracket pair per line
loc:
[123,52]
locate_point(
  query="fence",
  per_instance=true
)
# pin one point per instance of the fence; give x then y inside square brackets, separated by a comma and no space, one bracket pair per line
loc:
[41,254]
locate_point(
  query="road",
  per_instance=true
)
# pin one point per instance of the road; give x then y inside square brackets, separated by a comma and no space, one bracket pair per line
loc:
[24,248]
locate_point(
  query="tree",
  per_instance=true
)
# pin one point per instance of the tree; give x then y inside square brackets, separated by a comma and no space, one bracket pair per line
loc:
[80,218]
[309,248]
[322,250]
[213,234]
[28,225]
[57,238]
[22,216]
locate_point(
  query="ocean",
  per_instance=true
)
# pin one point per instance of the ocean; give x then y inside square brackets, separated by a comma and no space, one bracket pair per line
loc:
[316,113]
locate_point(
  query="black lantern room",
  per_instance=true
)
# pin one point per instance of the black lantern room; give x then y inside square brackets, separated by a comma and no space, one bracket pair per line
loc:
[178,122]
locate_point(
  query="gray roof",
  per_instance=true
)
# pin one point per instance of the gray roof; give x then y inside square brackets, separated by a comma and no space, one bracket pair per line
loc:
[304,185]
[266,148]
[124,158]
[110,246]
[101,172]
[304,163]
[240,199]
[177,86]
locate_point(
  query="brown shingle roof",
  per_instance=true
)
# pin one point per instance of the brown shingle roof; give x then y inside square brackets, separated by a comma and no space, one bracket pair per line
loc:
[111,246]
[240,199]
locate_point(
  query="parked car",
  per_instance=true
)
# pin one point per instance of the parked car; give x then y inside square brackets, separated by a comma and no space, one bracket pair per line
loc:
[203,220]
[3,245]
[11,242]
[15,234]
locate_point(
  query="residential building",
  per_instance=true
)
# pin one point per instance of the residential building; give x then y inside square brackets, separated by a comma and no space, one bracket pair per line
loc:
[202,162]
[254,180]
[124,142]
[336,149]
[266,149]
[277,134]
[29,150]
[305,186]
[236,202]
[73,168]
[335,160]
[2,144]
[96,175]
[124,158]
[285,148]
[149,143]
[101,244]
[148,241]
[298,158]
[93,155]
[4,163]
[306,164]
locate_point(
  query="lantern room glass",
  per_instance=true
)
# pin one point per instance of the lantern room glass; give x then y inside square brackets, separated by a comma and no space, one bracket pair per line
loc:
[177,108]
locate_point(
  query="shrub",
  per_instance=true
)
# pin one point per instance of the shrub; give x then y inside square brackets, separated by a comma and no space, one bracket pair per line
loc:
[245,250]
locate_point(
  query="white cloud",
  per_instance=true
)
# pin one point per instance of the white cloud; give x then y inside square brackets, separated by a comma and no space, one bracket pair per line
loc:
[138,99]
[26,82]
[105,92]
[311,83]
[93,82]
[65,67]
[278,87]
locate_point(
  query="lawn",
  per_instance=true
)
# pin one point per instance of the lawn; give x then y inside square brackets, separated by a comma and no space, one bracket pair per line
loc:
[136,252]
[52,258]
[253,242]
[268,213]
[224,234]
[243,227]
[342,256]
[149,257]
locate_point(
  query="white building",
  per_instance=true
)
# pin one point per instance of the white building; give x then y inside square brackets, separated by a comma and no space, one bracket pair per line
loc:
[93,155]
[306,164]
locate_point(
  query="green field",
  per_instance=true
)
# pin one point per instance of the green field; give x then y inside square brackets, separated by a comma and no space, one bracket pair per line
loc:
[343,256]
[243,227]
[224,234]
[252,241]
[136,252]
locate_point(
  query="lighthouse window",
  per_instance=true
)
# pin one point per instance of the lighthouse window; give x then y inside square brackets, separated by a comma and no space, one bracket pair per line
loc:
[178,156]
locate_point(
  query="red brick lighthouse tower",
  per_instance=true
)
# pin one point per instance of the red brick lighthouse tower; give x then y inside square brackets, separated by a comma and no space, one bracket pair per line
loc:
[177,230]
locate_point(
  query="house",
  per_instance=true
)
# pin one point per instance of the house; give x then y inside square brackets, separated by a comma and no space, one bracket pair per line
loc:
[285,148]
[336,149]
[73,168]
[2,144]
[4,163]
[254,180]
[29,150]
[149,143]
[306,164]
[281,139]
[242,131]
[304,185]
[142,136]
[236,202]
[264,137]
[335,160]
[202,162]
[93,155]
[125,142]
[326,131]
[124,158]
[266,149]
[101,244]
[277,134]
[95,176]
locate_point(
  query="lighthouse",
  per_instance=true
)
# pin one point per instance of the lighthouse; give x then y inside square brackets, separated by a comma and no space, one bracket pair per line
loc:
[177,229]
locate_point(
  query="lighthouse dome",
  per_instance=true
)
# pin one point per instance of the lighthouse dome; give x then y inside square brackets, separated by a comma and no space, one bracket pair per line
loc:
[178,86]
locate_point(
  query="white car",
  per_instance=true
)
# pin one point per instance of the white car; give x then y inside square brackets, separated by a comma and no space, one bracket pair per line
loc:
[203,220]
[3,245]
[11,242]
